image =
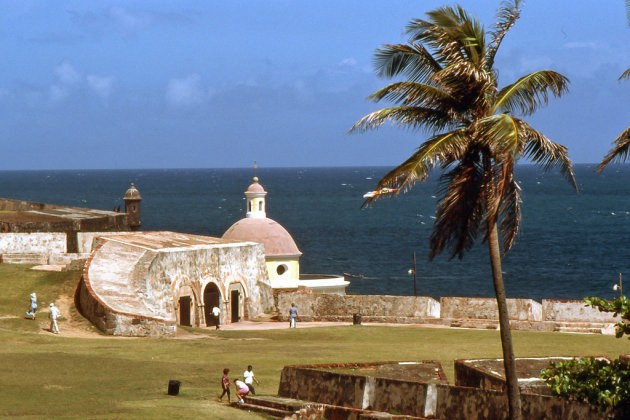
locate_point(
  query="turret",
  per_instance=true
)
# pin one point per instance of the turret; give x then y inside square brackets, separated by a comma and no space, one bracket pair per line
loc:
[132,200]
[256,200]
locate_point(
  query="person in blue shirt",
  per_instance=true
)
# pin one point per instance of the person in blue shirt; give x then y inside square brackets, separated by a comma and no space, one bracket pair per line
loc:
[33,308]
[293,312]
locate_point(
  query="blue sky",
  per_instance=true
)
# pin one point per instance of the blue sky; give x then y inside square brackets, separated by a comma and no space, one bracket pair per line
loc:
[172,84]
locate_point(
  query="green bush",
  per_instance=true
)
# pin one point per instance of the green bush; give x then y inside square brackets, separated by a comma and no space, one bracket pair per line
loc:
[597,381]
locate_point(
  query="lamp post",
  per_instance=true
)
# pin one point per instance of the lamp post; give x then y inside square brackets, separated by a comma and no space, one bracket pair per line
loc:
[413,271]
[619,286]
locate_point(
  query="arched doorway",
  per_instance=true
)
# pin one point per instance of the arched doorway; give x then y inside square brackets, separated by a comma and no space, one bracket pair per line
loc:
[234,298]
[185,302]
[211,298]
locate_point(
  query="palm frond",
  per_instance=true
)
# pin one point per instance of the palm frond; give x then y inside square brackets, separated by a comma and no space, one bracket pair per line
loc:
[461,210]
[413,60]
[530,92]
[625,74]
[619,152]
[509,210]
[438,151]
[452,33]
[507,15]
[413,118]
[546,153]
[500,133]
[413,94]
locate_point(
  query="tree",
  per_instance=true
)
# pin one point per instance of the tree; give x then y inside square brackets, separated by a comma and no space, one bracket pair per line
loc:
[452,93]
[621,148]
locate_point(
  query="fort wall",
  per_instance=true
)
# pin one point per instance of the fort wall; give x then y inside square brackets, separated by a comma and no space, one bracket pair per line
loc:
[319,384]
[46,243]
[525,314]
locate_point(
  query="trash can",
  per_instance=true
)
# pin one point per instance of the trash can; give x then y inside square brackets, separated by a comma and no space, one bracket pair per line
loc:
[173,387]
[356,319]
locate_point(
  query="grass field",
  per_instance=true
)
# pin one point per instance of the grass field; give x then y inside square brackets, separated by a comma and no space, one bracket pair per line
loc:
[88,375]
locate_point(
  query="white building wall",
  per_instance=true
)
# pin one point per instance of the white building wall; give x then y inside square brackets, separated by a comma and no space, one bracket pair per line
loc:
[37,242]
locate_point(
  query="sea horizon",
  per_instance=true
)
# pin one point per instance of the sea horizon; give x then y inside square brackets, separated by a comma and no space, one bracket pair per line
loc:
[570,244]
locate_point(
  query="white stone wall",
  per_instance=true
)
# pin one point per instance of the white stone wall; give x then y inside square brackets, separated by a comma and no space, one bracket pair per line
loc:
[486,308]
[38,243]
[224,265]
[574,311]
[86,242]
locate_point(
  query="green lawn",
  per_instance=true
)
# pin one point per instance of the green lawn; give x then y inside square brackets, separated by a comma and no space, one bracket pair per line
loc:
[102,377]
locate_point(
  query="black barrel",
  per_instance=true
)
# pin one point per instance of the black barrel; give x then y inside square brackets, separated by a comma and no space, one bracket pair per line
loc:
[173,387]
[356,319]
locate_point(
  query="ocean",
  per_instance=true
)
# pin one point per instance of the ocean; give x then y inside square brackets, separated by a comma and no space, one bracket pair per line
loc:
[571,244]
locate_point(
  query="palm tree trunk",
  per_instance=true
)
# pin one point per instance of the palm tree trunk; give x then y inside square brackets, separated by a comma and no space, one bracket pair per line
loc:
[509,362]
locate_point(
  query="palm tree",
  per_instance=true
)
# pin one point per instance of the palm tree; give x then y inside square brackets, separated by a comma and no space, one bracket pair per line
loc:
[621,147]
[452,93]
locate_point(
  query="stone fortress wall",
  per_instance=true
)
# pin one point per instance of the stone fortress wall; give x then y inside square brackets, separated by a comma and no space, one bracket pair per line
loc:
[525,314]
[147,283]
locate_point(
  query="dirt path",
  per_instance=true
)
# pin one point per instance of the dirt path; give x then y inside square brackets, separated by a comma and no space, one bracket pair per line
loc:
[74,325]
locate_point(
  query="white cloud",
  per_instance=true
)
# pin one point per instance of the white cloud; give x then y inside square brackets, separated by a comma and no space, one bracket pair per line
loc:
[127,19]
[186,91]
[67,74]
[57,93]
[348,62]
[102,86]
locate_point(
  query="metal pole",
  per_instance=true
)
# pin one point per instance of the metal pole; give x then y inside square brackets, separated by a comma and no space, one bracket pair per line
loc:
[415,287]
[620,286]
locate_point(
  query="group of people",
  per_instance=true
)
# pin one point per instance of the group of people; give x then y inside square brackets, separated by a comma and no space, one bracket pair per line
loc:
[242,387]
[52,315]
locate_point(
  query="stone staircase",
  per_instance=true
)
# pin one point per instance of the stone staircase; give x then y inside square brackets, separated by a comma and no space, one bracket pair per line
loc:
[288,408]
[580,327]
[25,258]
[274,407]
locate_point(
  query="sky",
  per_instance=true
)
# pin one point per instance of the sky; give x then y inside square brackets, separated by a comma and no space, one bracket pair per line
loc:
[211,84]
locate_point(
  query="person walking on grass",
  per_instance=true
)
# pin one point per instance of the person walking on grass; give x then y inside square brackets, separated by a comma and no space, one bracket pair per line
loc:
[250,379]
[33,307]
[53,315]
[225,384]
[293,316]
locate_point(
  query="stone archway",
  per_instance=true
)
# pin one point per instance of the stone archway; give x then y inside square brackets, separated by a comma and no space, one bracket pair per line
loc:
[211,298]
[186,292]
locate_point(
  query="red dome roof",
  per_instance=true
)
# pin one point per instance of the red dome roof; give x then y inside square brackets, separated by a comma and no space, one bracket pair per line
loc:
[255,187]
[278,242]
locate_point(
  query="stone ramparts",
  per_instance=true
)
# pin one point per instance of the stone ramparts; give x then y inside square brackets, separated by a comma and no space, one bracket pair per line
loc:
[383,308]
[45,243]
[317,383]
[525,314]
[108,297]
[574,311]
[486,308]
[132,284]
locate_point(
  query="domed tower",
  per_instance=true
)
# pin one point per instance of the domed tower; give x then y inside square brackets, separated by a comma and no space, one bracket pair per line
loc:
[281,253]
[132,200]
[255,195]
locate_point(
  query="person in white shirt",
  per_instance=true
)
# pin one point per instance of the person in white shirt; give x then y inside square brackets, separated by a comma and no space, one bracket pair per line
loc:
[54,314]
[250,379]
[217,315]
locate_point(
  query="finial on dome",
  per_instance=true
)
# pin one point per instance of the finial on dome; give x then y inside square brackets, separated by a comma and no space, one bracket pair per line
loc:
[255,179]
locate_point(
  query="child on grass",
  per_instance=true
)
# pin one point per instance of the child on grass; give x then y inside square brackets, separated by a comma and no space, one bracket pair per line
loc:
[225,384]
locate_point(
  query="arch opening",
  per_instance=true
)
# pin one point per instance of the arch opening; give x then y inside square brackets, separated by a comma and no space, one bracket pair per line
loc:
[211,298]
